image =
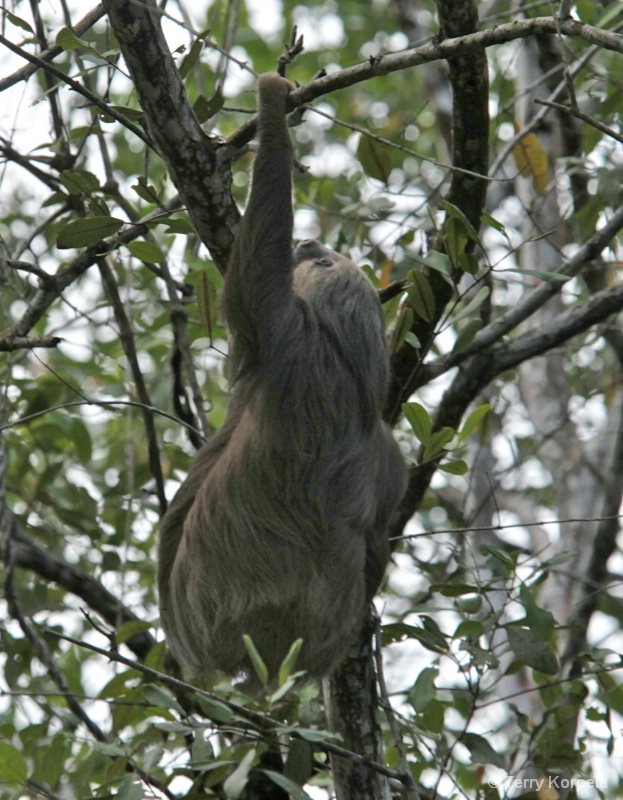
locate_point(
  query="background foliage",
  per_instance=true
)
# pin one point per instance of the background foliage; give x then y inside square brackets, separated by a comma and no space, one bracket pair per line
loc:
[502,614]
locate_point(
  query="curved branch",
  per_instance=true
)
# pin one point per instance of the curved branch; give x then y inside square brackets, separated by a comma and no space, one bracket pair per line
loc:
[77,87]
[27,555]
[597,574]
[126,336]
[53,285]
[50,54]
[477,372]
[438,51]
[190,157]
[537,298]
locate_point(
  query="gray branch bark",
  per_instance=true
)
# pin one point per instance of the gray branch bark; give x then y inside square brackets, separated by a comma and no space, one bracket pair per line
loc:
[193,162]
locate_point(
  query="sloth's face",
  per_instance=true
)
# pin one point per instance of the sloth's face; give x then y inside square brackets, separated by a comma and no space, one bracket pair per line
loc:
[317,266]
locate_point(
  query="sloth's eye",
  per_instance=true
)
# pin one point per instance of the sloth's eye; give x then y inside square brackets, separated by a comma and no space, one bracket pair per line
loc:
[323,262]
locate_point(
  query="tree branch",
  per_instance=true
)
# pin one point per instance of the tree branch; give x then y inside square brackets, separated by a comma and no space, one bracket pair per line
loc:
[53,285]
[470,152]
[77,87]
[50,54]
[191,159]
[477,372]
[438,51]
[27,555]
[127,342]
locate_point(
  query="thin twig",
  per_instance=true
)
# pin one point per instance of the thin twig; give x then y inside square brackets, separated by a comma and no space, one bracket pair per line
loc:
[260,721]
[584,117]
[411,791]
[126,335]
[77,87]
[291,51]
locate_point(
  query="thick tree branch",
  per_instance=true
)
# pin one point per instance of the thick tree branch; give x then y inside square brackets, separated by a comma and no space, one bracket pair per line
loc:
[27,555]
[192,161]
[455,47]
[470,111]
[539,296]
[604,546]
[470,143]
[351,705]
[477,372]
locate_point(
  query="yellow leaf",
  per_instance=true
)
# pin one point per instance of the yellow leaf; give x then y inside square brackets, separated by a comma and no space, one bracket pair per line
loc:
[386,272]
[204,296]
[532,161]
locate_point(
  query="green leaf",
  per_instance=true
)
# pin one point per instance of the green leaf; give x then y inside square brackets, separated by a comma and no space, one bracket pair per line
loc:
[202,751]
[532,652]
[191,58]
[476,301]
[68,40]
[492,222]
[469,605]
[453,589]
[466,334]
[403,326]
[421,295]
[547,277]
[147,192]
[293,789]
[412,339]
[289,662]
[429,636]
[457,467]
[205,109]
[217,712]
[419,419]
[79,182]
[437,261]
[13,767]
[309,734]
[423,690]
[595,715]
[458,230]
[456,239]
[178,225]
[469,627]
[473,421]
[18,22]
[131,789]
[375,159]
[299,766]
[454,212]
[133,114]
[88,231]
[148,252]
[540,621]
[261,670]
[81,438]
[468,263]
[432,718]
[159,697]
[481,751]
[234,785]
[438,442]
[130,629]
